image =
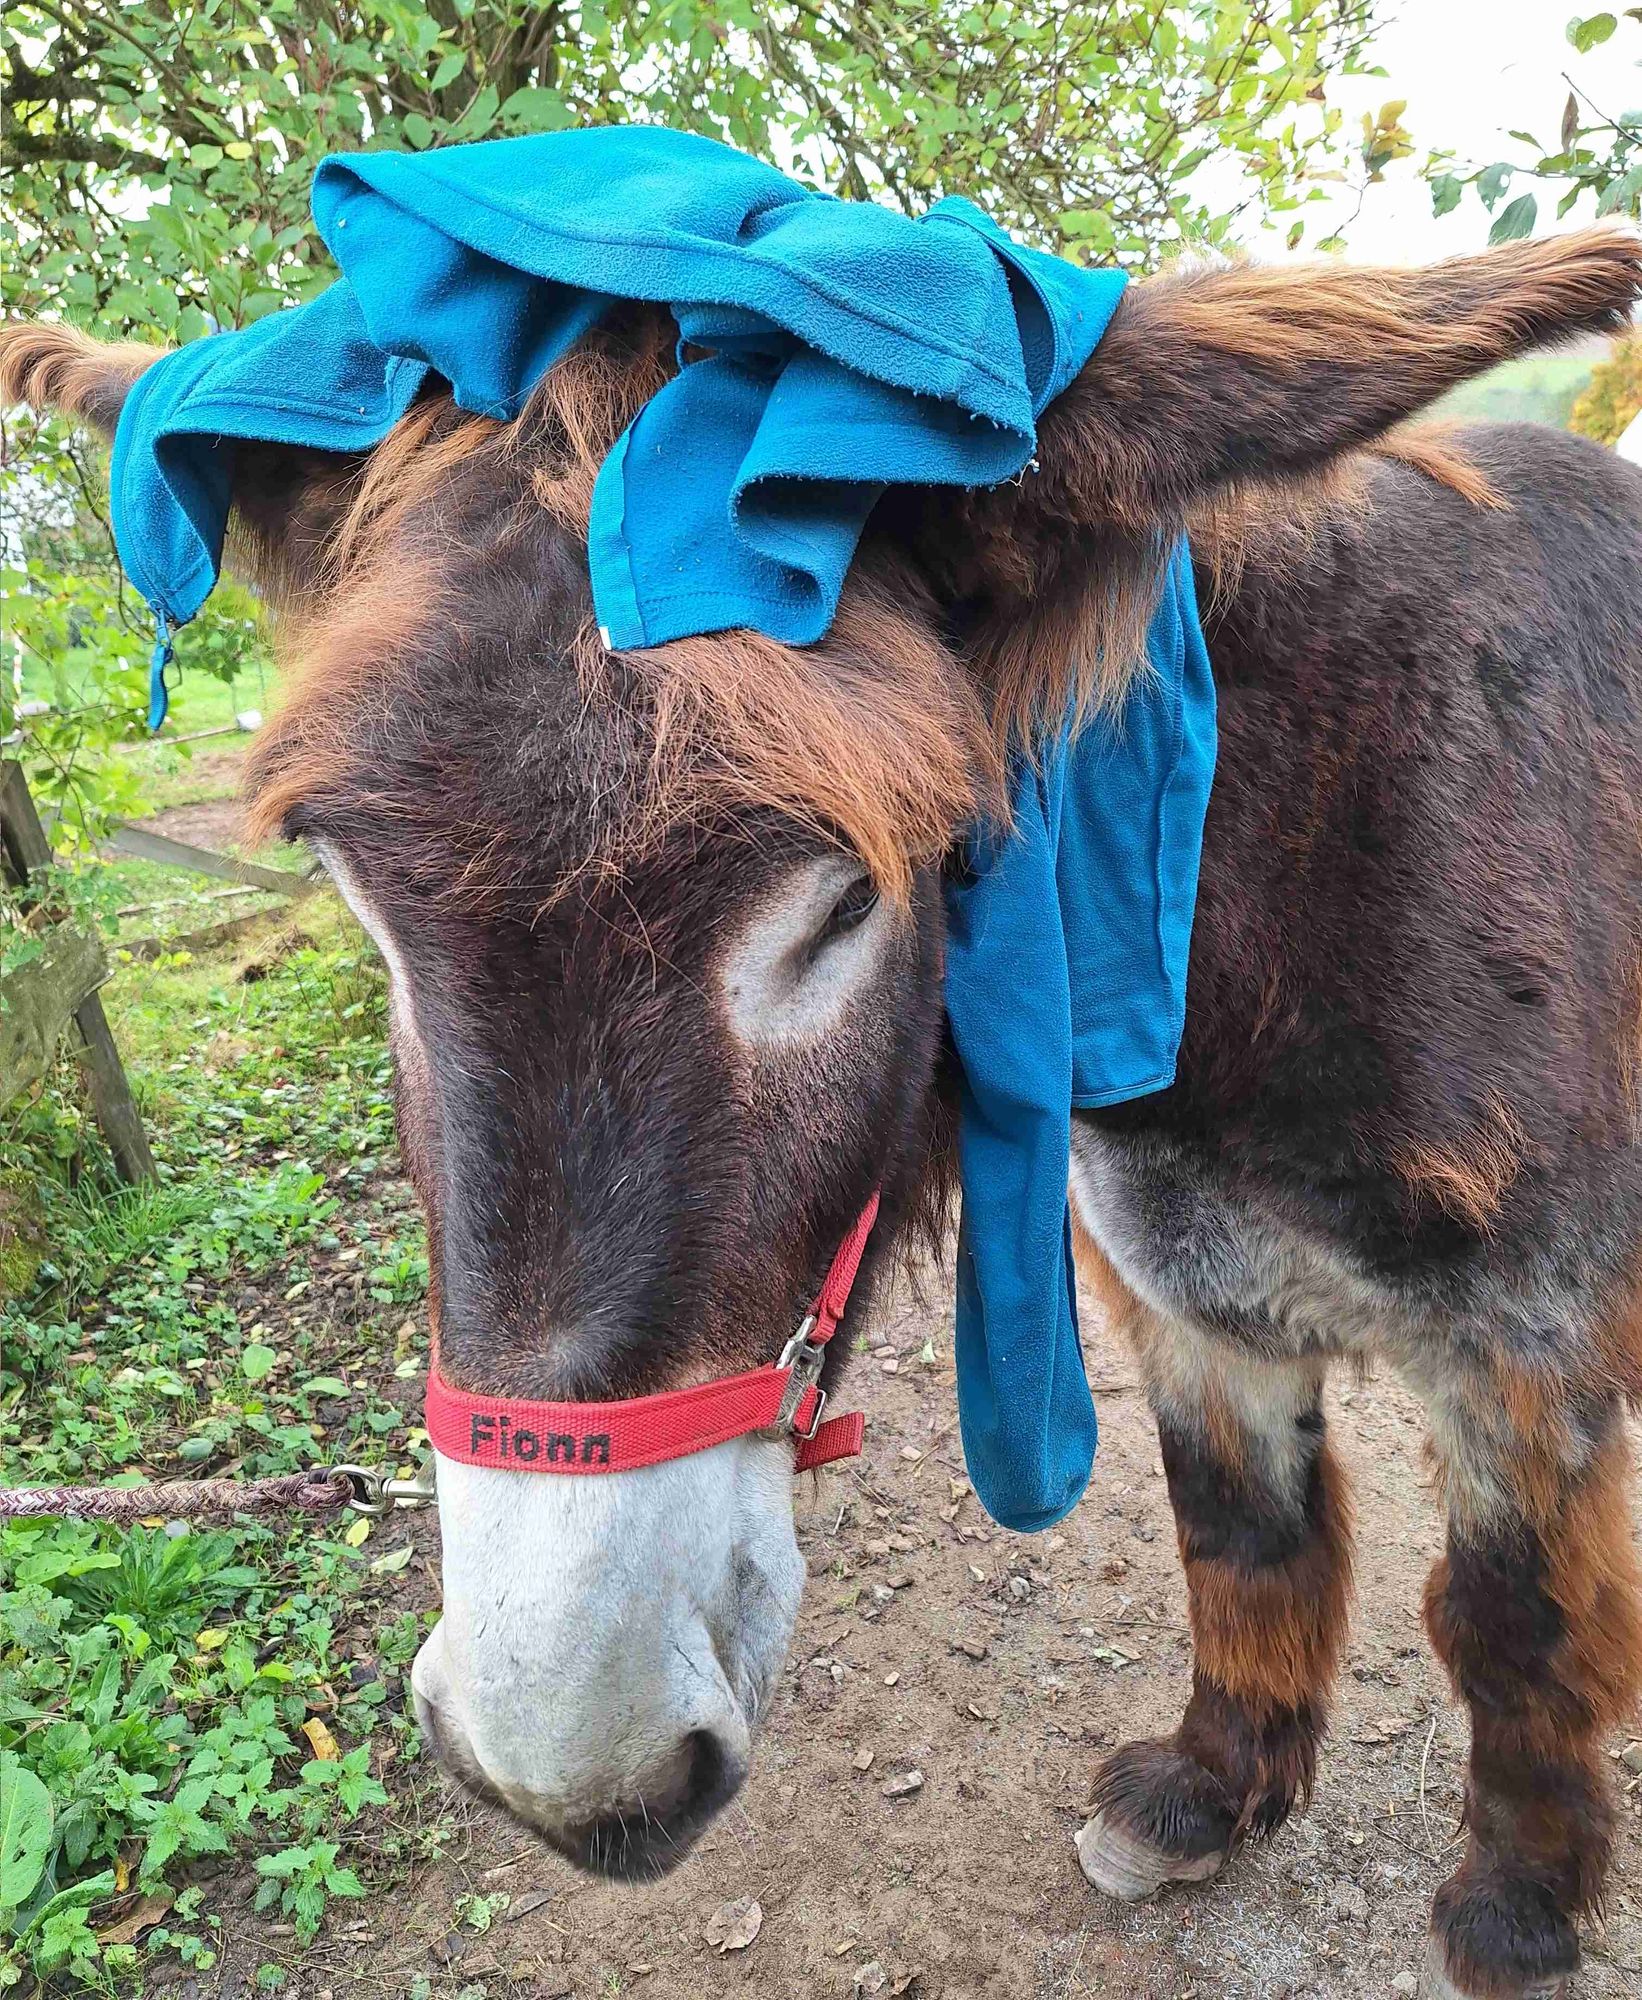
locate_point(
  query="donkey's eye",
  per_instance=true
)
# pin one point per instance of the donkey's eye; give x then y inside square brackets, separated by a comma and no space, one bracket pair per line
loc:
[852,909]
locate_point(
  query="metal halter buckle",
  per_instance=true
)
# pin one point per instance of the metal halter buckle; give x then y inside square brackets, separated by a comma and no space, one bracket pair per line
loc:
[375,1493]
[805,1361]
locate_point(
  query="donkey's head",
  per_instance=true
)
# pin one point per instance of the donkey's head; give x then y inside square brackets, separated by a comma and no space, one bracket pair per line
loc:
[665,935]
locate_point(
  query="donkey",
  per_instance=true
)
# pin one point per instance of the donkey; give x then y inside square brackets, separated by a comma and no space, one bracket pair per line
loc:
[664,934]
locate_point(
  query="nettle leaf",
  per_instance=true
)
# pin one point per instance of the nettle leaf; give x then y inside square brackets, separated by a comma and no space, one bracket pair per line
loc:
[25,1831]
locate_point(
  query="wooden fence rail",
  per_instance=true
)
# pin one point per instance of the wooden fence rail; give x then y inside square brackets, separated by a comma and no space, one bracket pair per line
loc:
[68,965]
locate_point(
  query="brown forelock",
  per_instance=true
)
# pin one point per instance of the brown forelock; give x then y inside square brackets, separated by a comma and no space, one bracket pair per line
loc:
[874,735]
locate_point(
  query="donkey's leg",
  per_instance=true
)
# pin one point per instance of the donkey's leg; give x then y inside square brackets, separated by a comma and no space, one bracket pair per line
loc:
[1536,1611]
[1264,1527]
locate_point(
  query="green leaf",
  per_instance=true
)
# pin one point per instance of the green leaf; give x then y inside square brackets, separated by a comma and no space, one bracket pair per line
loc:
[1515,220]
[1493,181]
[537,109]
[25,1831]
[1446,190]
[450,68]
[256,1362]
[1620,197]
[1589,33]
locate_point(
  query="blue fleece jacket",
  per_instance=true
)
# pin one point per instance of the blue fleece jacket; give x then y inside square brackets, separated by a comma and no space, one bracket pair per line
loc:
[835,348]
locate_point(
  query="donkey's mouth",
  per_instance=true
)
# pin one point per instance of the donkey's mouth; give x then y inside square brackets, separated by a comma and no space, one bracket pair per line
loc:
[640,1844]
[638,1841]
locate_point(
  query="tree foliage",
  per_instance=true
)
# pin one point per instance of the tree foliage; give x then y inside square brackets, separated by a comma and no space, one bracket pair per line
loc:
[159,156]
[1614,394]
[1597,149]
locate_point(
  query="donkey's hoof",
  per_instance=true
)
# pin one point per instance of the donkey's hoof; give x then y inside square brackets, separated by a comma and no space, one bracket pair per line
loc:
[1498,1935]
[1123,1864]
[1436,1984]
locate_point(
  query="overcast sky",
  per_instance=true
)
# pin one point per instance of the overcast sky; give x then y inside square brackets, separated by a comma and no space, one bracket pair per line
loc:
[1470,70]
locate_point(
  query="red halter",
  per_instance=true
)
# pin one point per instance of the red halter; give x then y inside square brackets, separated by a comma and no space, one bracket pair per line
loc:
[514,1435]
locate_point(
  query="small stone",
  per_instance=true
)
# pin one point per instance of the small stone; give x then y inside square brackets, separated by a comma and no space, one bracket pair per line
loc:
[1019,1589]
[1348,1900]
[904,1786]
[870,1978]
[890,1680]
[911,1454]
[1631,1757]
[1405,1985]
[863,1759]
[882,1594]
[892,1367]
[974,1649]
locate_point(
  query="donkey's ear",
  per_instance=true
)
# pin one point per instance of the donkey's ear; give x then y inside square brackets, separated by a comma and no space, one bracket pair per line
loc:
[287,501]
[1205,380]
[51,367]
[1246,373]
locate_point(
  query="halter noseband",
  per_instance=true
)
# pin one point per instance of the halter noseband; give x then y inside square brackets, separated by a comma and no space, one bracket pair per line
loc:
[512,1434]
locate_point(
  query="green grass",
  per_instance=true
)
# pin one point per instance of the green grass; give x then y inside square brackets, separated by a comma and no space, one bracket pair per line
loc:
[234,1695]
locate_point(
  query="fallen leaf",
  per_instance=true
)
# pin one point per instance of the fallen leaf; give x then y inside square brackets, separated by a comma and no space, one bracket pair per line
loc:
[322,1742]
[521,1906]
[143,1917]
[358,1532]
[871,1978]
[208,1642]
[733,1926]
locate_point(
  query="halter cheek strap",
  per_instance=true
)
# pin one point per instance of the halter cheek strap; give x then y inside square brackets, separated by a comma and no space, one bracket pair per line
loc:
[514,1434]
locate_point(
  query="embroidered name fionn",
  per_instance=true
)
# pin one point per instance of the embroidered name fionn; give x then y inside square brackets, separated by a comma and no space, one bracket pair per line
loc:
[498,1437]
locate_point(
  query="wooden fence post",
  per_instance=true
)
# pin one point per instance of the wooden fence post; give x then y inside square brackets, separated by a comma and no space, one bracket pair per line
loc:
[27,849]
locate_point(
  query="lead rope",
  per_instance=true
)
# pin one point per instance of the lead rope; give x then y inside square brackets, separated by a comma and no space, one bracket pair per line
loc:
[313,1492]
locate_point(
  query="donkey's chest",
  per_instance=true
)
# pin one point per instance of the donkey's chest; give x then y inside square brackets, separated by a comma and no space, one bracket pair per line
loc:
[1204,1256]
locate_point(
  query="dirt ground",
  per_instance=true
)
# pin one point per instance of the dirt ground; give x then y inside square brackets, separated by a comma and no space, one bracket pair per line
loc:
[969,1886]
